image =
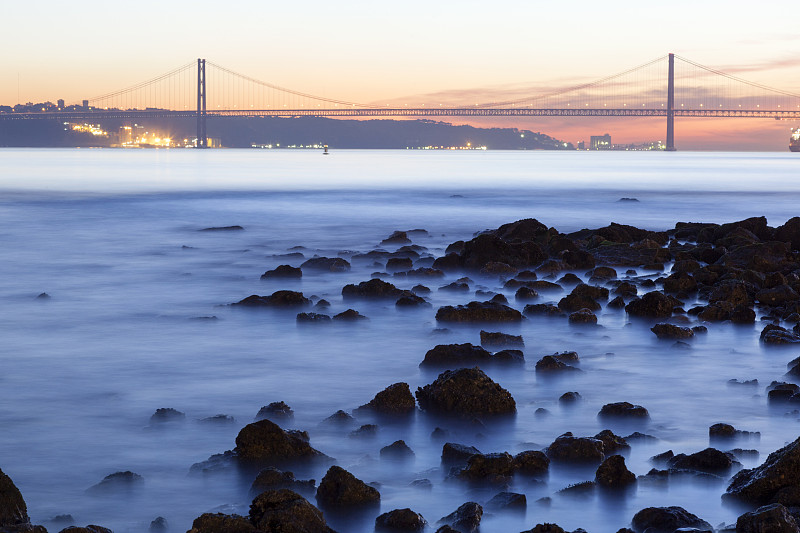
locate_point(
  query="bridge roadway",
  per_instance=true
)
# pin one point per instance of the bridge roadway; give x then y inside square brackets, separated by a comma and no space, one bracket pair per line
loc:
[403,112]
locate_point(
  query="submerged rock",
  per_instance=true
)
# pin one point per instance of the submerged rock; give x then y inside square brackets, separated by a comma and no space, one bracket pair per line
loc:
[275,411]
[466,519]
[623,410]
[13,510]
[451,355]
[394,400]
[774,518]
[398,450]
[265,442]
[501,339]
[372,289]
[118,481]
[340,488]
[775,480]
[167,414]
[400,520]
[478,312]
[653,304]
[326,264]
[276,299]
[283,272]
[671,331]
[568,448]
[284,510]
[465,392]
[455,454]
[272,479]
[613,474]
[667,520]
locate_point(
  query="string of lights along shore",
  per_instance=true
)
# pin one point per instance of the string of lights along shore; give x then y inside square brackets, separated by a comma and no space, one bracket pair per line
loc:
[669,86]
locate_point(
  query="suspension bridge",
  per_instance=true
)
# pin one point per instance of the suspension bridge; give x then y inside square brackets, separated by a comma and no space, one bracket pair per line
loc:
[670,86]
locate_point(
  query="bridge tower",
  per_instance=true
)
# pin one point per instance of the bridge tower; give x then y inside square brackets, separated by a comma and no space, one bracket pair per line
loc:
[202,139]
[671,105]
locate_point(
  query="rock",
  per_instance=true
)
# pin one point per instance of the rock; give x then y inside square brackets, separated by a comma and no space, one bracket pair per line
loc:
[612,443]
[550,363]
[367,430]
[72,529]
[774,518]
[680,282]
[777,296]
[411,300]
[501,340]
[397,237]
[666,520]
[118,481]
[218,419]
[671,331]
[283,272]
[372,289]
[42,296]
[492,468]
[773,334]
[159,524]
[543,309]
[455,454]
[340,488]
[395,400]
[466,519]
[339,417]
[455,287]
[265,442]
[455,355]
[583,297]
[602,273]
[742,314]
[398,450]
[275,411]
[495,267]
[653,304]
[766,483]
[525,294]
[463,392]
[420,289]
[569,397]
[568,448]
[478,312]
[13,510]
[721,431]
[613,474]
[286,511]
[326,264]
[351,315]
[276,299]
[508,357]
[400,520]
[313,318]
[582,316]
[531,463]
[167,414]
[223,228]
[546,528]
[271,478]
[710,460]
[511,501]
[221,523]
[623,410]
[398,264]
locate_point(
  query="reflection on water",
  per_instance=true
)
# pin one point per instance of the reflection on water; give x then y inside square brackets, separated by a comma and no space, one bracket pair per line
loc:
[127,271]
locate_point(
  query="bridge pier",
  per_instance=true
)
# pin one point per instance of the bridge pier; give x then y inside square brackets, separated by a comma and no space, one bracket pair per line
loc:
[671,105]
[202,138]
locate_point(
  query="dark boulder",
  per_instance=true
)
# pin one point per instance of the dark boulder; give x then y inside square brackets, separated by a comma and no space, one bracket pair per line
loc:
[777,296]
[478,312]
[525,294]
[340,488]
[455,355]
[455,454]
[411,300]
[276,299]
[466,519]
[373,289]
[789,232]
[222,523]
[654,304]
[285,511]
[71,529]
[623,410]
[398,264]
[772,334]
[501,340]
[569,397]
[681,282]
[551,363]
[531,463]
[167,414]
[326,264]
[568,448]
[400,520]
[613,474]
[13,510]
[265,442]
[313,318]
[583,297]
[223,228]
[488,248]
[667,520]
[710,460]
[546,528]
[465,392]
[272,479]
[582,316]
[671,331]
[774,518]
[508,357]
[543,309]
[508,501]
[612,443]
[275,411]
[394,400]
[351,315]
[492,468]
[118,481]
[283,272]
[776,477]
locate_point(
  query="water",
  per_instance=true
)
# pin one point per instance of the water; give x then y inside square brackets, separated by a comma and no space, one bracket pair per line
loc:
[112,237]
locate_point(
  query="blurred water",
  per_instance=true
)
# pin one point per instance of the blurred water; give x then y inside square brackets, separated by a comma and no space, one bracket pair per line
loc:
[112,237]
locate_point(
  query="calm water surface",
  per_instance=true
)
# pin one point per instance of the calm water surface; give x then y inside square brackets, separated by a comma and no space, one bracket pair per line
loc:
[113,238]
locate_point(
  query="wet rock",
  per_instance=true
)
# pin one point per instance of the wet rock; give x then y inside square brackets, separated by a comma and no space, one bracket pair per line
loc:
[569,448]
[313,318]
[492,468]
[167,414]
[223,228]
[508,357]
[546,528]
[118,481]
[218,419]
[602,273]
[495,267]
[623,410]
[722,431]
[397,264]
[543,309]
[680,282]
[667,520]
[525,294]
[773,334]
[613,474]
[340,418]
[671,331]
[420,289]
[710,460]
[501,340]
[397,237]
[411,300]
[221,523]
[776,477]
[322,304]
[13,510]
[271,478]
[639,436]
[400,520]
[569,397]
[265,442]
[425,272]
[774,518]
[372,289]
[351,315]
[478,312]
[367,430]
[716,312]
[466,519]
[584,489]
[583,316]
[531,463]
[653,304]
[72,529]
[398,450]
[488,248]
[276,299]
[583,297]
[779,392]
[626,289]
[159,524]
[283,272]
[612,443]
[424,484]
[455,355]
[340,488]
[550,363]
[508,501]
[617,303]
[284,510]
[776,296]
[743,314]
[455,287]
[395,400]
[455,454]
[275,411]
[42,296]
[467,391]
[326,264]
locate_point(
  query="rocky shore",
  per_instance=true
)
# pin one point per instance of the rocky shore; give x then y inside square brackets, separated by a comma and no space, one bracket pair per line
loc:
[744,272]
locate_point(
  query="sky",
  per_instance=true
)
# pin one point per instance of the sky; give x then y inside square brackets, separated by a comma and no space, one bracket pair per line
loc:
[390,51]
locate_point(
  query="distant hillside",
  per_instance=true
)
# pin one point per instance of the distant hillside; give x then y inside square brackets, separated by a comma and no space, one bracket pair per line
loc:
[300,131]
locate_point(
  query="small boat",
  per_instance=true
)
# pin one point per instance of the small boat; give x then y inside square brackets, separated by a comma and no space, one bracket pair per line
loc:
[325,150]
[794,140]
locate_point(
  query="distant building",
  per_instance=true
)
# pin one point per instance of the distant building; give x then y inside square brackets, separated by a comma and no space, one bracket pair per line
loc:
[581,145]
[600,142]
[86,104]
[60,103]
